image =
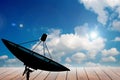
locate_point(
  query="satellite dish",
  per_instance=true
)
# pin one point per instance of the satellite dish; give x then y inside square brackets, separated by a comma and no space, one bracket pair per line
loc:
[32,59]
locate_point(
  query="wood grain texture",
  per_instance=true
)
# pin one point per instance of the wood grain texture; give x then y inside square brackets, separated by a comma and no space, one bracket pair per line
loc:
[79,73]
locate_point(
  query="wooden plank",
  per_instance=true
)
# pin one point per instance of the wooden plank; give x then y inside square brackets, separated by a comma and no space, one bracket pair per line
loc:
[61,76]
[36,75]
[3,70]
[8,77]
[52,76]
[32,75]
[88,73]
[91,74]
[18,76]
[81,74]
[71,74]
[116,70]
[42,76]
[2,76]
[110,74]
[101,75]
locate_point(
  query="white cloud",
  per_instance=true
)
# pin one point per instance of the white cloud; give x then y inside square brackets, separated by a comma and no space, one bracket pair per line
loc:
[3,57]
[5,61]
[54,33]
[118,11]
[93,50]
[68,65]
[82,30]
[78,57]
[91,64]
[98,7]
[108,59]
[21,25]
[13,24]
[108,55]
[11,60]
[116,39]
[113,3]
[61,45]
[110,52]
[68,60]
[116,25]
[102,9]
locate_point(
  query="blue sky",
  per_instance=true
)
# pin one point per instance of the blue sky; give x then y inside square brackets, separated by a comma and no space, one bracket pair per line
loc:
[80,32]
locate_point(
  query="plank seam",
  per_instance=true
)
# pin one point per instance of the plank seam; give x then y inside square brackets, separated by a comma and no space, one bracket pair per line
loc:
[86,73]
[106,73]
[76,74]
[15,76]
[66,76]
[37,75]
[115,73]
[3,72]
[97,75]
[8,74]
[56,76]
[47,76]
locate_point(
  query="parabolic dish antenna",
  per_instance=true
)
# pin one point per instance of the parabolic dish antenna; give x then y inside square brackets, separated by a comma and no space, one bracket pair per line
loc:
[32,59]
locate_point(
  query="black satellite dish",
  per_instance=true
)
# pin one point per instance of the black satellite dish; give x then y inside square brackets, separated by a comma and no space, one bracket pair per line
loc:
[32,59]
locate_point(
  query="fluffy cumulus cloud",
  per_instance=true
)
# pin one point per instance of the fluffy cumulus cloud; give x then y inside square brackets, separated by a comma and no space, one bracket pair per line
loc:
[116,39]
[98,8]
[106,10]
[5,61]
[118,10]
[110,52]
[78,57]
[13,62]
[109,55]
[68,60]
[116,25]
[92,64]
[108,59]
[73,47]
[3,57]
